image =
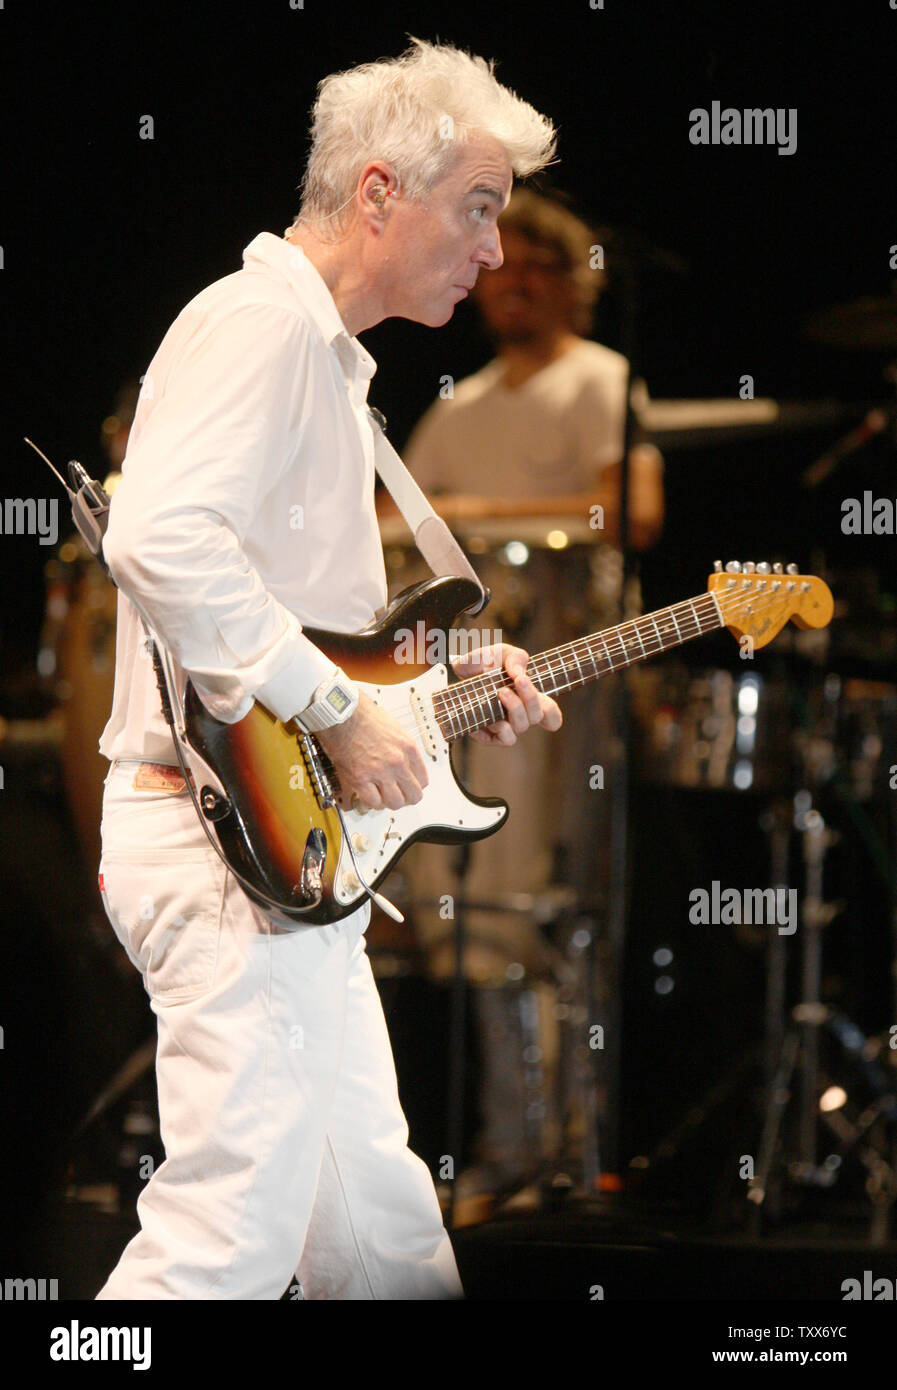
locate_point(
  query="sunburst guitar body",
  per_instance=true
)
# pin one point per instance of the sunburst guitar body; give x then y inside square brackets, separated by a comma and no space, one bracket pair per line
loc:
[270,794]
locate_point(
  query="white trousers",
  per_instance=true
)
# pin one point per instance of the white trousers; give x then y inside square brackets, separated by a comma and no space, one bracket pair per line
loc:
[286,1146]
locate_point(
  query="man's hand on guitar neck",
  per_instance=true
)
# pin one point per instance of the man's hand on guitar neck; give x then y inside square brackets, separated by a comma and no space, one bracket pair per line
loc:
[524,704]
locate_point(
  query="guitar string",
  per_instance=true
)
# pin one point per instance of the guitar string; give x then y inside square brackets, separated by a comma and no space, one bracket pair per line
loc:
[466,699]
[464,704]
[555,659]
[710,609]
[693,625]
[458,704]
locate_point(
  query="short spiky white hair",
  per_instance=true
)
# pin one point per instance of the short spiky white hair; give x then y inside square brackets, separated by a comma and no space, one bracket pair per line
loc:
[412,112]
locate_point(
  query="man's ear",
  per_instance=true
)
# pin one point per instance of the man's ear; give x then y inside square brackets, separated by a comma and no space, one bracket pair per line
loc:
[376,185]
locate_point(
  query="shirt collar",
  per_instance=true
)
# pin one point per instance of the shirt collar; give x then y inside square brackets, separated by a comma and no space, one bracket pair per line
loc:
[293,265]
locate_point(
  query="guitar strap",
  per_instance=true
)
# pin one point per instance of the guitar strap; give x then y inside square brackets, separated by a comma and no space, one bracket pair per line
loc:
[432,537]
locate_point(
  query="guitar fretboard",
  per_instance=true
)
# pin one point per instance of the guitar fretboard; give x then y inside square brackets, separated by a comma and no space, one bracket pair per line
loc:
[471,704]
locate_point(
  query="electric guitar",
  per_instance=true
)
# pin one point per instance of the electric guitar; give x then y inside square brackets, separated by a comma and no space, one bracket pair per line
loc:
[271,794]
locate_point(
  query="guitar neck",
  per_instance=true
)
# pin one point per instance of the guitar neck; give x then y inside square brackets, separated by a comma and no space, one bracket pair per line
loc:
[473,703]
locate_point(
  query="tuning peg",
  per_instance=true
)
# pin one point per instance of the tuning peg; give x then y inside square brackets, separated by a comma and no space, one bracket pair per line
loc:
[748,567]
[763,567]
[777,567]
[717,567]
[792,569]
[733,567]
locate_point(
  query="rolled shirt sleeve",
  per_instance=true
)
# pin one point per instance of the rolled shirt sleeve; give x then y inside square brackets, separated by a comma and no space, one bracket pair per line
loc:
[213,438]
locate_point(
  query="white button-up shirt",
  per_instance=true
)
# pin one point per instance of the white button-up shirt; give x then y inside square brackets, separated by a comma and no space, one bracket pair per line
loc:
[246,503]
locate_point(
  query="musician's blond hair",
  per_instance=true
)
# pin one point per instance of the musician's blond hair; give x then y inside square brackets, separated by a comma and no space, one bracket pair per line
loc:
[412,112]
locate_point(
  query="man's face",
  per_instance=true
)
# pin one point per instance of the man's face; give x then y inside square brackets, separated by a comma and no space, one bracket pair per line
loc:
[530,295]
[435,248]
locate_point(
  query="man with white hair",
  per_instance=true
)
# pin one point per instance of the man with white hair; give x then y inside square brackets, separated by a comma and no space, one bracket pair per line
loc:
[286,1146]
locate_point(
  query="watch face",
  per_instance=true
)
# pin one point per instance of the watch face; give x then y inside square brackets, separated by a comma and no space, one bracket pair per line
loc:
[338,699]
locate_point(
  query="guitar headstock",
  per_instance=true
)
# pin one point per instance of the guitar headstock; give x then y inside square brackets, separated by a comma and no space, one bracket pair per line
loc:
[757,601]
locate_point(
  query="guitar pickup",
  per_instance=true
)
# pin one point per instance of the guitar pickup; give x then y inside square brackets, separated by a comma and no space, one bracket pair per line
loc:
[432,739]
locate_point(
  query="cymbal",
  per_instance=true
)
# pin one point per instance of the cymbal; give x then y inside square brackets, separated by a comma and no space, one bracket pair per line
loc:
[866,324]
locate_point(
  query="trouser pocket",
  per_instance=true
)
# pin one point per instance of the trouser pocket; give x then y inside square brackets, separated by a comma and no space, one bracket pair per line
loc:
[166,908]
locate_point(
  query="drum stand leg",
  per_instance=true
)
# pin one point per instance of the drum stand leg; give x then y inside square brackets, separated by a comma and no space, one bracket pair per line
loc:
[799,1051]
[577,1079]
[800,1046]
[777,824]
[535,1098]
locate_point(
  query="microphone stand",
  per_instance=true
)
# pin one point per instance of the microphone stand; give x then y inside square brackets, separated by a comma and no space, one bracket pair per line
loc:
[627,279]
[630,257]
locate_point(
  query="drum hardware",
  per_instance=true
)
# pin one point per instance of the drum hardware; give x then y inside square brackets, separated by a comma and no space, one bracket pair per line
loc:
[874,1089]
[713,729]
[550,572]
[776,822]
[578,1083]
[561,1149]
[527,1017]
[543,908]
[795,1082]
[799,1050]
[848,744]
[796,1050]
[573,1168]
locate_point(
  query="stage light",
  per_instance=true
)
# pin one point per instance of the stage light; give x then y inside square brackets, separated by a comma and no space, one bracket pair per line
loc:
[832,1098]
[516,553]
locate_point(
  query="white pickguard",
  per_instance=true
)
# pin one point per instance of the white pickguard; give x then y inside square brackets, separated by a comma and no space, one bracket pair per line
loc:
[377,836]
